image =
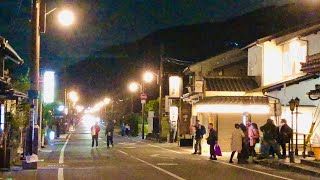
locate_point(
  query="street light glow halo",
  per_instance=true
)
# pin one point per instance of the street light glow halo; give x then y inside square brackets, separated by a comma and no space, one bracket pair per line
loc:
[148,77]
[66,17]
[133,87]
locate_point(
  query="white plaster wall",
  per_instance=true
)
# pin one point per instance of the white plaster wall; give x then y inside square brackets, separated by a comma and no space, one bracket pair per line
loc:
[297,90]
[255,61]
[314,43]
[272,63]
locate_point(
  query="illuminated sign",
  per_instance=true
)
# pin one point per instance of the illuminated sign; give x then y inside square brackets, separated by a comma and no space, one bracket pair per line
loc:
[48,87]
[174,113]
[2,116]
[175,87]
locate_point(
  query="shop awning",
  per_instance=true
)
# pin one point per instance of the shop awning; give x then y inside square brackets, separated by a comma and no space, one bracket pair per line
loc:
[234,104]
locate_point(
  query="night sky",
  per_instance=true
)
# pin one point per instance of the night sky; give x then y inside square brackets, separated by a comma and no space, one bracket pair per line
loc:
[101,23]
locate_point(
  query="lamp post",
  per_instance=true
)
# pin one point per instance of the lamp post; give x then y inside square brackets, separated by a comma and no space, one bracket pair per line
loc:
[33,93]
[133,87]
[297,102]
[292,106]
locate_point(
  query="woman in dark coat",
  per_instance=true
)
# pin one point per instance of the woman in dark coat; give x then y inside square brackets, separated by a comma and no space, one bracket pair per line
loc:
[244,155]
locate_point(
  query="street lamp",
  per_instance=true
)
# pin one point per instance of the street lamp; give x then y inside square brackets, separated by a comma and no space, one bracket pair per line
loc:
[292,106]
[73,96]
[35,121]
[297,103]
[133,87]
[106,101]
[66,17]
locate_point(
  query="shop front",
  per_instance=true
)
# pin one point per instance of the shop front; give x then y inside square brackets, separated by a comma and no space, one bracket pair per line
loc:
[224,111]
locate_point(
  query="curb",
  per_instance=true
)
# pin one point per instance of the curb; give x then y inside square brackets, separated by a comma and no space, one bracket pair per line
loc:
[283,166]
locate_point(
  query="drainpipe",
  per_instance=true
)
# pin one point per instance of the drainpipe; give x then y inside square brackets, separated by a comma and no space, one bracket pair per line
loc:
[275,105]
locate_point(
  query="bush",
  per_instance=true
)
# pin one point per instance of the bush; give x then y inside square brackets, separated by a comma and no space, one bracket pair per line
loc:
[133,121]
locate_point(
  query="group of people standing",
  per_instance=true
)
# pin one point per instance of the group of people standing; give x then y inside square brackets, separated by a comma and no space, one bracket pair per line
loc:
[243,140]
[199,132]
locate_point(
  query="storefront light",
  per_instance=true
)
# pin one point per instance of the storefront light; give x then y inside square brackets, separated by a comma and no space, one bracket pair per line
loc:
[225,108]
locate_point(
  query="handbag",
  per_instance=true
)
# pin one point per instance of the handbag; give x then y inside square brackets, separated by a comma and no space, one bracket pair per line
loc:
[217,150]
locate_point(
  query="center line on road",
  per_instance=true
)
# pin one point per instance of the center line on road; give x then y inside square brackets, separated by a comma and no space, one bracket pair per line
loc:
[160,169]
[123,152]
[256,171]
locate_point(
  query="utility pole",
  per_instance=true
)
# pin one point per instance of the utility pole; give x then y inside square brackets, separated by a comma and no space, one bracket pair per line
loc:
[142,110]
[33,136]
[160,91]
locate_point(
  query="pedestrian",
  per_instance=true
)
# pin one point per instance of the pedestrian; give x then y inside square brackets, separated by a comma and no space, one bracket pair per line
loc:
[123,129]
[212,141]
[244,155]
[254,138]
[95,129]
[109,133]
[127,130]
[284,135]
[236,141]
[269,140]
[200,130]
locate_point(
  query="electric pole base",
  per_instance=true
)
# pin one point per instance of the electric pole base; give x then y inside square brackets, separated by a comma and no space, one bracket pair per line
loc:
[32,165]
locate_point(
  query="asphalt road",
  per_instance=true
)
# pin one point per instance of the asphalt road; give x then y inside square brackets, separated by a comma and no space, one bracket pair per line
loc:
[73,158]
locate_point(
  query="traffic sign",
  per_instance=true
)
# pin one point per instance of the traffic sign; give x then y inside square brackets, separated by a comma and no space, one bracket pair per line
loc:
[143,96]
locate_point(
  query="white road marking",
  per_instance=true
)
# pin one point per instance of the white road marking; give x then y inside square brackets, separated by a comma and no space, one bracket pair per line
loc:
[61,159]
[256,171]
[60,174]
[123,152]
[161,156]
[130,147]
[165,149]
[167,164]
[160,169]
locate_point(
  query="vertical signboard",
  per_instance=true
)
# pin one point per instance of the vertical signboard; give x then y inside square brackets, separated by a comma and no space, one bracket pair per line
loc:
[48,87]
[175,87]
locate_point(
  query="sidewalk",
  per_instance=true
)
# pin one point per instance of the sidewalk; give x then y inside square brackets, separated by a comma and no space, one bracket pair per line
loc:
[302,165]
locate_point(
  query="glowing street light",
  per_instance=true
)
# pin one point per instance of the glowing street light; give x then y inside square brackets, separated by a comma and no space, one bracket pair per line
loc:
[106,101]
[66,17]
[148,77]
[133,87]
[73,96]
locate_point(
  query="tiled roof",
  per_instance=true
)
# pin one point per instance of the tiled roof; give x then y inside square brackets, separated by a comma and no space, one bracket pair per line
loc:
[243,100]
[221,83]
[312,65]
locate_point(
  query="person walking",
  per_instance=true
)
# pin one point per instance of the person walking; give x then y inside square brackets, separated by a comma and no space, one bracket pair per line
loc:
[109,133]
[236,141]
[123,129]
[254,138]
[269,140]
[212,141]
[284,135]
[95,129]
[200,130]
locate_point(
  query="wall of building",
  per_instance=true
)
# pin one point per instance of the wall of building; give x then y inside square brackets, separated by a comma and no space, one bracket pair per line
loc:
[272,63]
[314,45]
